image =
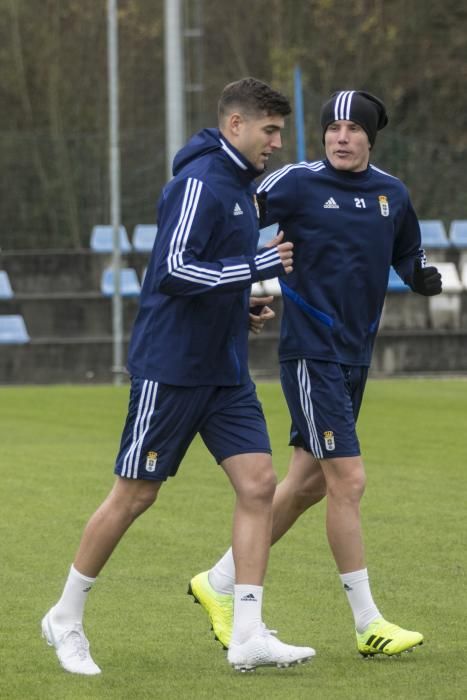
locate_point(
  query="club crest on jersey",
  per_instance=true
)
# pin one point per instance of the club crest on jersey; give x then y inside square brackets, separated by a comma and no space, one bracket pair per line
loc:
[151,461]
[329,440]
[383,205]
[255,202]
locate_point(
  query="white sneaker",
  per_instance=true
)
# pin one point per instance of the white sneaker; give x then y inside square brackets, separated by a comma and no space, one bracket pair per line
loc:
[71,646]
[264,649]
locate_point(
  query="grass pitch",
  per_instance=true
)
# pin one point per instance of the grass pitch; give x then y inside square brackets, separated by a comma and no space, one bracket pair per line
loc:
[57,447]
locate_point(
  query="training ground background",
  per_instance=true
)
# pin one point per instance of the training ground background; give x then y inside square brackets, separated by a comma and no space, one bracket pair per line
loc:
[57,446]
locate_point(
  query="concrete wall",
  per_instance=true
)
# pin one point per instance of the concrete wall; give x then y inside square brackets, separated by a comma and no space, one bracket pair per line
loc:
[70,324]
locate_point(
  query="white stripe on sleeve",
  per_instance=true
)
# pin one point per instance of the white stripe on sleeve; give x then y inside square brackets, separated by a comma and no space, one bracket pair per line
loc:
[269,182]
[192,272]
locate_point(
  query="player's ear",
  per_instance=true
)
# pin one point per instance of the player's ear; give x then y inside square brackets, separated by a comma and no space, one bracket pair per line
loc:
[235,121]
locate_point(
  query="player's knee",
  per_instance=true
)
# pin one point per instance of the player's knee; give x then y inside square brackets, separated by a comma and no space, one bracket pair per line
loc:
[357,485]
[263,488]
[350,488]
[132,498]
[261,484]
[345,479]
[269,484]
[144,500]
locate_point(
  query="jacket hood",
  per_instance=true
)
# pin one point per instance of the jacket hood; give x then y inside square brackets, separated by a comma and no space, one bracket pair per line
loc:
[207,141]
[201,143]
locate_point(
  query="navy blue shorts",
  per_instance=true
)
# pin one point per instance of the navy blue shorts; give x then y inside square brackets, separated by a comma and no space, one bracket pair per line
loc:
[324,400]
[163,420]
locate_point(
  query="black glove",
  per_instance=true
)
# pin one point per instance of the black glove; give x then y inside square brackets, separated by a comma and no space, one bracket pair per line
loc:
[426,280]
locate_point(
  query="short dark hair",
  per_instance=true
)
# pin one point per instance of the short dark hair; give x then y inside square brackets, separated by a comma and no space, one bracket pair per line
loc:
[252,97]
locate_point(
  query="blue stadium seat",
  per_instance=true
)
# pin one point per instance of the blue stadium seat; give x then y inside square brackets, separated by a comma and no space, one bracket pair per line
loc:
[458,233]
[102,239]
[433,234]
[266,233]
[129,282]
[13,330]
[395,284]
[143,237]
[6,291]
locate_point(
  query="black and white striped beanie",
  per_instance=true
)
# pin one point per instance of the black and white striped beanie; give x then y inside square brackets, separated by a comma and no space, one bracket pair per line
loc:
[356,106]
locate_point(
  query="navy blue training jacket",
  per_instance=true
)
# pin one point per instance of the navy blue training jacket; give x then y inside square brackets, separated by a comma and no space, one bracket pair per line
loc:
[347,229]
[192,325]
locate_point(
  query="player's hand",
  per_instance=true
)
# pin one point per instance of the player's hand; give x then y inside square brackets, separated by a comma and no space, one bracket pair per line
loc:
[426,280]
[285,251]
[260,313]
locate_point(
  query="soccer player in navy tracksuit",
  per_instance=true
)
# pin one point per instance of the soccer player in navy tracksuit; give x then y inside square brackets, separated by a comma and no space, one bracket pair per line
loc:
[188,364]
[349,222]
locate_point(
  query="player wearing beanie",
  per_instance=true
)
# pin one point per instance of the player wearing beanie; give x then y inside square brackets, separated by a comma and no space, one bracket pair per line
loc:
[349,222]
[357,106]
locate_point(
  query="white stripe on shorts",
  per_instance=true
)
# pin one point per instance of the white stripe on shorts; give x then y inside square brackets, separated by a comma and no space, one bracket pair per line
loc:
[146,405]
[304,385]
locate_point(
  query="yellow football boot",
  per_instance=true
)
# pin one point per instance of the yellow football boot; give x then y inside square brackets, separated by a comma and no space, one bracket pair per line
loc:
[218,606]
[382,637]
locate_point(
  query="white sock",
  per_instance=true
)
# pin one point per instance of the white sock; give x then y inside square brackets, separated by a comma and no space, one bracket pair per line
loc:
[222,575]
[248,601]
[357,587]
[70,607]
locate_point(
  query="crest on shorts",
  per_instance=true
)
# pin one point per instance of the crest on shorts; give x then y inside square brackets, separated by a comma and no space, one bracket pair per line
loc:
[151,461]
[383,205]
[329,440]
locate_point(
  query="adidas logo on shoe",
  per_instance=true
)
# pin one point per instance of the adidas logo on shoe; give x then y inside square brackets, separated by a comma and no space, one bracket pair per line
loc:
[331,204]
[249,597]
[237,210]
